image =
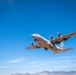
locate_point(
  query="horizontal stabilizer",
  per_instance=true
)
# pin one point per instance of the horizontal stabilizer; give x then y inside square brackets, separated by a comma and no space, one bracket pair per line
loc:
[68,49]
[59,51]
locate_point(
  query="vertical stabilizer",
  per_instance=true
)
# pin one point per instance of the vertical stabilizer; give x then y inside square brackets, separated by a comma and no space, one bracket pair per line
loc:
[62,45]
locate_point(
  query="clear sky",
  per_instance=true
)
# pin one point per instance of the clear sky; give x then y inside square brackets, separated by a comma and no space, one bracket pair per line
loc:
[19,19]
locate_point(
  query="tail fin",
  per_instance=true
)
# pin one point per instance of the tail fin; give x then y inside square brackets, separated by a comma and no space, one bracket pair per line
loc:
[62,45]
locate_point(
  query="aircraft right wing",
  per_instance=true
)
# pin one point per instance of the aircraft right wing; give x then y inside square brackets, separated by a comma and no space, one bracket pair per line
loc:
[63,38]
[34,46]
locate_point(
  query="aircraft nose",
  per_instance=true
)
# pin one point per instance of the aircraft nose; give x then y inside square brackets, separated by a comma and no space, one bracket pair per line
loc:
[33,35]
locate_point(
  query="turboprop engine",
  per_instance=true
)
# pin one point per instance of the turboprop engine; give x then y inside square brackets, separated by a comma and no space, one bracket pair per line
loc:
[59,34]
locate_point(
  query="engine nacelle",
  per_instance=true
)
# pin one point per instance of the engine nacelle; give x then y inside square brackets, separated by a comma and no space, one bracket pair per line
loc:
[32,43]
[51,37]
[59,34]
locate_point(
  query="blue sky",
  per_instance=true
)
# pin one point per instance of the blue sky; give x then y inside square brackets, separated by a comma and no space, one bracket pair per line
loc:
[19,19]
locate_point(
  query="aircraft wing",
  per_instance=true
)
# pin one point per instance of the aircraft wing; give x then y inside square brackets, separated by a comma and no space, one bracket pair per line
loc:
[63,38]
[34,46]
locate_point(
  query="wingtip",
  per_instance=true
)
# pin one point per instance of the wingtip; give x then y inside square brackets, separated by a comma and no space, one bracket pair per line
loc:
[26,48]
[74,33]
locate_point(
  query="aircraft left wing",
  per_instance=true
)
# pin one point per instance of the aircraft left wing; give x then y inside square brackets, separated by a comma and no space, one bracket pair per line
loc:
[63,38]
[34,46]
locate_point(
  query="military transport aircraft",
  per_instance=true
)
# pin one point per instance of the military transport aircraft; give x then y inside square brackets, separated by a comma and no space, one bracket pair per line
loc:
[50,44]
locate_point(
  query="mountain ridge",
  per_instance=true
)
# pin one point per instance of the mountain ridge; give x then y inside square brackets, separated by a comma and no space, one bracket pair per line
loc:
[50,73]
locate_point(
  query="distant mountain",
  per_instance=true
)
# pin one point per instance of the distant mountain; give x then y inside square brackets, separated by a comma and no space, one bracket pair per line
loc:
[50,73]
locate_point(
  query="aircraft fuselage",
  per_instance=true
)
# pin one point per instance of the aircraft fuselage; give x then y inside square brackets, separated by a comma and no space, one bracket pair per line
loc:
[43,42]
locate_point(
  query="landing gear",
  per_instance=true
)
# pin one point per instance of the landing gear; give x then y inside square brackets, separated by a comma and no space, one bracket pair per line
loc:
[45,48]
[35,40]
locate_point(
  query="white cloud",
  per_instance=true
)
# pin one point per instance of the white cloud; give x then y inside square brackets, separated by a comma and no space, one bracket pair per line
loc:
[60,57]
[16,60]
[64,57]
[2,67]
[39,63]
[62,60]
[65,66]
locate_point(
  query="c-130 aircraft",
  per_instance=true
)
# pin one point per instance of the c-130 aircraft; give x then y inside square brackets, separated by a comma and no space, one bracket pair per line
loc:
[51,44]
